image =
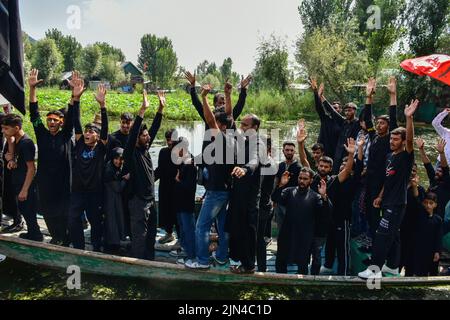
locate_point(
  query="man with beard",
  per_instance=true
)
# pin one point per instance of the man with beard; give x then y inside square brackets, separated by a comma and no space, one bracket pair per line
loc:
[329,129]
[336,188]
[378,150]
[291,166]
[143,216]
[54,146]
[393,199]
[166,173]
[439,178]
[300,226]
[244,202]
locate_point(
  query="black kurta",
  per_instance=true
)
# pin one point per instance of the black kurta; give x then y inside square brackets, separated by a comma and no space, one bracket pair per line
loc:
[53,172]
[113,205]
[166,173]
[304,209]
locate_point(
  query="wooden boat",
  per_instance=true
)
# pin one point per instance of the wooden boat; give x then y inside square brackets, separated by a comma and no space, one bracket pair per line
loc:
[50,256]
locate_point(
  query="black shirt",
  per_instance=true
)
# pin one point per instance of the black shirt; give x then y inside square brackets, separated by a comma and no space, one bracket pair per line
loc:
[294,171]
[88,167]
[54,150]
[186,188]
[139,162]
[25,152]
[398,173]
[219,172]
[329,129]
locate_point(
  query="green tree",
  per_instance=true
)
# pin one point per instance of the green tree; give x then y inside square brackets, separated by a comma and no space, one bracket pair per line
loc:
[202,68]
[334,58]
[158,60]
[90,61]
[378,39]
[109,50]
[226,69]
[110,70]
[272,66]
[69,47]
[48,60]
[320,13]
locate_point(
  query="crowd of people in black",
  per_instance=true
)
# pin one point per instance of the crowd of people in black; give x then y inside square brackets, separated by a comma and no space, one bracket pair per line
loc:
[358,181]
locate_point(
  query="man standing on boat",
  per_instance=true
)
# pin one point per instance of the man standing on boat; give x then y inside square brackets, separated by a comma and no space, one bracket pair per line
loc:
[218,186]
[142,203]
[393,197]
[299,226]
[54,145]
[87,176]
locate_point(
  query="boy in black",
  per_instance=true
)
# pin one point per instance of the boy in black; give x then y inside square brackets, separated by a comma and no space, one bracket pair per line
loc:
[87,177]
[143,216]
[439,178]
[54,145]
[427,238]
[22,175]
[392,200]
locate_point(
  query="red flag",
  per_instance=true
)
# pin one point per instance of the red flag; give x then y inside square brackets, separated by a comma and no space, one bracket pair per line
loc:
[436,66]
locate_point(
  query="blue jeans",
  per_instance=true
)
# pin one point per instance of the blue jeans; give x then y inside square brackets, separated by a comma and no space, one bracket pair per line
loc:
[214,207]
[186,221]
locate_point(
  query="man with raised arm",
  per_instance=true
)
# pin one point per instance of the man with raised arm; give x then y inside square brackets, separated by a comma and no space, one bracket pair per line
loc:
[379,148]
[143,215]
[87,176]
[218,185]
[399,165]
[54,144]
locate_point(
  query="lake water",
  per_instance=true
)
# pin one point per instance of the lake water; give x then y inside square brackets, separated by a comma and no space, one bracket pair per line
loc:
[21,281]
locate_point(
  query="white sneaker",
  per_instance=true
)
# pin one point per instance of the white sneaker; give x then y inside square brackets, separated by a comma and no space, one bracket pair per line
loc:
[326,271]
[369,274]
[195,265]
[183,261]
[387,270]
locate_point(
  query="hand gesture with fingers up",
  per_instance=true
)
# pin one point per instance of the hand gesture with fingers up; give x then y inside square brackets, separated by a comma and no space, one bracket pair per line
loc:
[246,82]
[206,89]
[33,79]
[191,78]
[412,108]
[100,96]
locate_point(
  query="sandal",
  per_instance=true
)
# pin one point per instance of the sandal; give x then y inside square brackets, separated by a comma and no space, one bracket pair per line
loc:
[241,270]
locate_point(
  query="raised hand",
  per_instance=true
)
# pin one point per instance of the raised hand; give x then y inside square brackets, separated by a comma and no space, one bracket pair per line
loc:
[285,179]
[392,86]
[228,88]
[162,98]
[371,87]
[100,96]
[411,109]
[323,188]
[206,89]
[74,79]
[420,143]
[246,82]
[321,90]
[145,103]
[191,78]
[313,83]
[33,78]
[351,146]
[78,88]
[415,181]
[361,141]
[302,134]
[440,146]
